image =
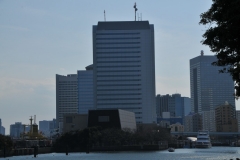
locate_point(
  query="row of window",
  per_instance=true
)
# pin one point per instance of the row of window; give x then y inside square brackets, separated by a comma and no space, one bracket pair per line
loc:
[118,43]
[118,47]
[118,57]
[119,38]
[119,66]
[132,33]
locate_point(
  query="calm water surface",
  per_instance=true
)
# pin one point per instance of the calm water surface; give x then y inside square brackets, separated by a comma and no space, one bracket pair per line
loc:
[214,153]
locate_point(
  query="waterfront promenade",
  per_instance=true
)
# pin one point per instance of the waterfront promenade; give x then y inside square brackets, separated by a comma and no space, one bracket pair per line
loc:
[214,153]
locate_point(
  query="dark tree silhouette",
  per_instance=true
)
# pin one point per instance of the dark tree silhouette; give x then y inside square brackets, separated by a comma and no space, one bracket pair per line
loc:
[223,36]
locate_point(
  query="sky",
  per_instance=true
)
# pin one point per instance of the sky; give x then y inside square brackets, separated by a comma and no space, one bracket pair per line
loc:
[39,39]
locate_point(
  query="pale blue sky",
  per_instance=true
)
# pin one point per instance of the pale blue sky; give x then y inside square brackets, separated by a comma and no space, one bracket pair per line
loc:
[39,39]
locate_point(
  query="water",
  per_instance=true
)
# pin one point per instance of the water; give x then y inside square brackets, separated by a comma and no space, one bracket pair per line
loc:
[214,153]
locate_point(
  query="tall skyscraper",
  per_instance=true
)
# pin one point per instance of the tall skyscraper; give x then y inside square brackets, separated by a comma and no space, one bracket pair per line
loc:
[124,68]
[209,88]
[85,90]
[66,96]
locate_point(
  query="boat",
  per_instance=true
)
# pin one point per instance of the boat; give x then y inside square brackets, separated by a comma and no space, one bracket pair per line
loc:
[203,140]
[171,149]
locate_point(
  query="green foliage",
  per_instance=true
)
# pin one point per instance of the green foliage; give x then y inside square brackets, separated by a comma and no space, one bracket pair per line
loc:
[5,141]
[223,36]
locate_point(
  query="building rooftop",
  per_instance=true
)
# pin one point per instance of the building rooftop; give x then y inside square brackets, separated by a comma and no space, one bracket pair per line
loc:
[123,25]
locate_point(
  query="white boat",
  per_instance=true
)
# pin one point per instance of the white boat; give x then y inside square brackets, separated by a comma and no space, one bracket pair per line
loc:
[203,140]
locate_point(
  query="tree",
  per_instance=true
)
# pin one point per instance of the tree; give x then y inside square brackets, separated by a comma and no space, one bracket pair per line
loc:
[223,36]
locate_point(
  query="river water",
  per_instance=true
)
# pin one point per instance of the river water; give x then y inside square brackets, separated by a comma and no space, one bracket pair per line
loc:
[214,153]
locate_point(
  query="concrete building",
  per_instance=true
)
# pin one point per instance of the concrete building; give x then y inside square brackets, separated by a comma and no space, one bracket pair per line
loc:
[85,90]
[124,68]
[112,118]
[66,96]
[192,122]
[177,127]
[238,119]
[16,130]
[175,104]
[73,122]
[47,127]
[209,122]
[226,118]
[209,88]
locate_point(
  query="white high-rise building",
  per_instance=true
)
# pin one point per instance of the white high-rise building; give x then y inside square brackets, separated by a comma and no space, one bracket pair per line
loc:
[66,96]
[124,68]
[208,120]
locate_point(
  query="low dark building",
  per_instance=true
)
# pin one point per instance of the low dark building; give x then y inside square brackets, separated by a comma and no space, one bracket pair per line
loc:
[114,118]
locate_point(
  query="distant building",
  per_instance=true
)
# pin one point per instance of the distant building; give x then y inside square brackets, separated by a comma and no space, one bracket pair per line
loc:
[16,130]
[209,88]
[73,122]
[112,118]
[226,118]
[238,119]
[47,127]
[193,122]
[66,96]
[124,68]
[177,127]
[2,130]
[85,90]
[171,120]
[0,126]
[175,104]
[209,122]
[166,115]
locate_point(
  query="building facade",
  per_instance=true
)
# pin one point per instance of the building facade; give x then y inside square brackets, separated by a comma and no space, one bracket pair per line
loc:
[47,127]
[209,88]
[73,122]
[225,116]
[85,90]
[66,96]
[209,122]
[16,130]
[0,126]
[193,122]
[238,119]
[177,127]
[124,68]
[2,130]
[175,104]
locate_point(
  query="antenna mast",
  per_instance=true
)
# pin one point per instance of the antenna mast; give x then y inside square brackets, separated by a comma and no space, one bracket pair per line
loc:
[135,8]
[104,16]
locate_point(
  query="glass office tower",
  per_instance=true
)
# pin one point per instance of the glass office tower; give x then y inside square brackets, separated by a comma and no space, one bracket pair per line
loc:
[209,88]
[124,68]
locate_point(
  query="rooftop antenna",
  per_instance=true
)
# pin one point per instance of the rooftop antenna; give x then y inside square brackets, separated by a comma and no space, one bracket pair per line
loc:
[135,7]
[202,53]
[104,16]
